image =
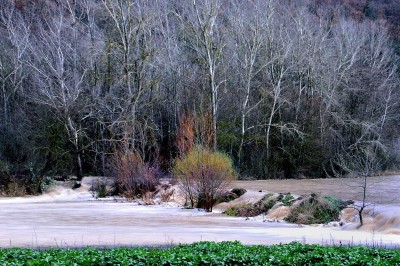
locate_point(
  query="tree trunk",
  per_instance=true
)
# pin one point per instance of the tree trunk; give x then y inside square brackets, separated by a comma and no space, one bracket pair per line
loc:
[360,215]
[79,170]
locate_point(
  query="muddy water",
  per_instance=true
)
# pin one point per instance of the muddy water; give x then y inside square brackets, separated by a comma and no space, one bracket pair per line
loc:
[76,224]
[71,218]
[108,223]
[380,190]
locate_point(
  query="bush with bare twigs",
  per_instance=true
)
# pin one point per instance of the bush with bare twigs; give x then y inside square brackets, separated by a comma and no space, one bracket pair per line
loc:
[134,177]
[166,192]
[203,175]
[15,188]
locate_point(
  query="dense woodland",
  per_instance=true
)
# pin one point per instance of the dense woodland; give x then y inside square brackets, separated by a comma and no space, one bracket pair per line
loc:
[287,89]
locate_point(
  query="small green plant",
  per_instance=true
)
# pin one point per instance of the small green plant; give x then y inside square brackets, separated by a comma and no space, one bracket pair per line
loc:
[288,200]
[269,204]
[231,212]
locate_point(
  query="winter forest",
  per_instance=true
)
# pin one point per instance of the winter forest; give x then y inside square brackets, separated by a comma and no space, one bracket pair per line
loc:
[286,89]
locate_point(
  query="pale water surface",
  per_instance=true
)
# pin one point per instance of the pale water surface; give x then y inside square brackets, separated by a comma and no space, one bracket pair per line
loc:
[71,218]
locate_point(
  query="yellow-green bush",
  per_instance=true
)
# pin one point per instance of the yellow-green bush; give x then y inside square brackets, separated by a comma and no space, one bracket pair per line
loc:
[203,175]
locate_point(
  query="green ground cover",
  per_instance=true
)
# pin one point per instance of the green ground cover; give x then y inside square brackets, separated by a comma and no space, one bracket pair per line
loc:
[206,253]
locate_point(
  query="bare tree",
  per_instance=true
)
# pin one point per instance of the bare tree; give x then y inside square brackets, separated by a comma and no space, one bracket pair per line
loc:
[250,30]
[60,67]
[204,37]
[131,46]
[284,86]
[279,47]
[372,62]
[363,163]
[15,43]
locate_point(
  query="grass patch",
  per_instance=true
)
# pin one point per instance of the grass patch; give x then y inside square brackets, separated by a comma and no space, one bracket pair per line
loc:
[288,200]
[206,253]
[260,207]
[242,210]
[314,210]
[338,203]
[251,210]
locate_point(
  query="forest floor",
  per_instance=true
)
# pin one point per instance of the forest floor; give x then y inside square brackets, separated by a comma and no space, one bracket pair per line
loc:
[73,218]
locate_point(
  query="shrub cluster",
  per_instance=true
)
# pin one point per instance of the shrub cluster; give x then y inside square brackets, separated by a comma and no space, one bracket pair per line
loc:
[261,206]
[314,210]
[134,177]
[203,175]
[22,184]
[102,187]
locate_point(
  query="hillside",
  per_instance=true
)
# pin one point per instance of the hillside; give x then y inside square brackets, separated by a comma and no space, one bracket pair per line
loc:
[284,88]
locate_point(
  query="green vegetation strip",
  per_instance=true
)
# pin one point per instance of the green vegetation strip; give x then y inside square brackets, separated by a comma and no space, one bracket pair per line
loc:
[206,253]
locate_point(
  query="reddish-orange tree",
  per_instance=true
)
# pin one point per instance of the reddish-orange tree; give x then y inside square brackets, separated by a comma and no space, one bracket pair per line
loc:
[192,130]
[185,134]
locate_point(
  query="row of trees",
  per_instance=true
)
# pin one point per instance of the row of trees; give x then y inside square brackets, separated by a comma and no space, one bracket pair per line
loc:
[287,88]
